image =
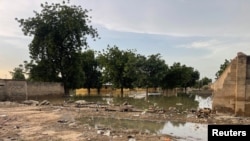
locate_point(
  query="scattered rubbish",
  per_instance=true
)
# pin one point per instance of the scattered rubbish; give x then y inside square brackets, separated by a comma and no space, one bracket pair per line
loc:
[31,102]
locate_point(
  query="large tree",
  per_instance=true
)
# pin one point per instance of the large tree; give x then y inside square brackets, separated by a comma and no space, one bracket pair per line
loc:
[91,70]
[151,71]
[180,76]
[59,32]
[189,77]
[118,67]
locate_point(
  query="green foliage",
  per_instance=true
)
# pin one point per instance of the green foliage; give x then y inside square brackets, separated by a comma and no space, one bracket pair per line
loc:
[59,33]
[118,67]
[172,78]
[17,73]
[140,73]
[151,70]
[203,82]
[91,70]
[180,76]
[43,71]
[222,68]
[125,69]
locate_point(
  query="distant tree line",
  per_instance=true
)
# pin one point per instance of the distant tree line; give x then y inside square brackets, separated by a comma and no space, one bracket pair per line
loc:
[59,52]
[121,68]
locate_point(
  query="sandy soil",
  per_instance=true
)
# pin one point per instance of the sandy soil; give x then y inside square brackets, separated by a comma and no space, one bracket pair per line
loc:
[60,123]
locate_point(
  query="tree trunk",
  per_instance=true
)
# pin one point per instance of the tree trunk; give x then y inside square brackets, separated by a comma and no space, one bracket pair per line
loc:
[98,91]
[155,89]
[88,91]
[66,91]
[121,92]
[146,97]
[164,92]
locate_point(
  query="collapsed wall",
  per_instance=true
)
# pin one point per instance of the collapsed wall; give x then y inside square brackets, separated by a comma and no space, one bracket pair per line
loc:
[231,91]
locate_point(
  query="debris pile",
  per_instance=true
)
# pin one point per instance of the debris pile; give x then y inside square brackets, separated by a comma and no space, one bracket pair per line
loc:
[203,113]
[36,103]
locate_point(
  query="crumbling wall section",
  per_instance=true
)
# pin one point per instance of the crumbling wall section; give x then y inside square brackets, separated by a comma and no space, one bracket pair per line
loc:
[241,75]
[247,95]
[224,89]
[231,92]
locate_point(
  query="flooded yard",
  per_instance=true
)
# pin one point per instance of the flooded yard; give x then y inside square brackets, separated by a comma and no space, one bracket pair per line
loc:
[204,101]
[186,131]
[183,131]
[159,118]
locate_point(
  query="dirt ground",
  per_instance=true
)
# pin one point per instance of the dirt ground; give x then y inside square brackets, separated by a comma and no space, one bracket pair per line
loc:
[24,122]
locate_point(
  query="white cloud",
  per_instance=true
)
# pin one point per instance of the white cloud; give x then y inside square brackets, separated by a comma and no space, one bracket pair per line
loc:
[177,18]
[210,44]
[210,54]
[219,29]
[206,45]
[220,47]
[166,17]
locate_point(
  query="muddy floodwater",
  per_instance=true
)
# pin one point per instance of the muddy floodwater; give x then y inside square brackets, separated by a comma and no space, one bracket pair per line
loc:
[183,131]
[204,101]
[159,118]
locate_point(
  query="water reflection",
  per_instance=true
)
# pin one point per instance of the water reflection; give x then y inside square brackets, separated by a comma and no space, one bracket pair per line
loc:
[123,124]
[204,101]
[185,131]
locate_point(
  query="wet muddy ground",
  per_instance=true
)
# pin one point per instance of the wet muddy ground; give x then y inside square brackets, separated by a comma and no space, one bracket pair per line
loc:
[69,121]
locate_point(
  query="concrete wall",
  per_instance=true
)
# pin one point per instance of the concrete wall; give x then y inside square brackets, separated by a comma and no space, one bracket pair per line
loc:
[16,90]
[44,88]
[224,90]
[22,90]
[231,92]
[247,94]
[2,90]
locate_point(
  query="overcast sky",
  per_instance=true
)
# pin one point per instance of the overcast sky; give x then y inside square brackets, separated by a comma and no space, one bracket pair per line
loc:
[197,33]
